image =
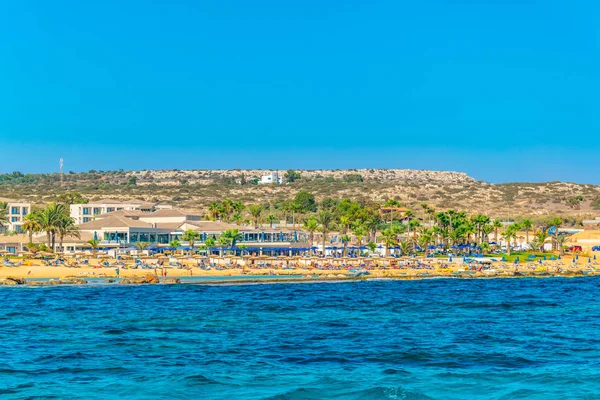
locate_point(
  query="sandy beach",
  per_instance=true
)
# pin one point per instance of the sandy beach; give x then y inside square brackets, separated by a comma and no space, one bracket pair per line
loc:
[398,269]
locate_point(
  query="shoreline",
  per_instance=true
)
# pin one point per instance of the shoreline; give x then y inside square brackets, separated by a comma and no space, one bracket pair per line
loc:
[245,280]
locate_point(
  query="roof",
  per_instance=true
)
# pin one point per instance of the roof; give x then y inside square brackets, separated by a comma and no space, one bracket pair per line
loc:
[114,221]
[129,213]
[213,226]
[165,212]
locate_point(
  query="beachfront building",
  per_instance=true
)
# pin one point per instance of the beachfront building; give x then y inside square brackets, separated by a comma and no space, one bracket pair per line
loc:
[121,230]
[15,215]
[273,177]
[83,213]
[124,228]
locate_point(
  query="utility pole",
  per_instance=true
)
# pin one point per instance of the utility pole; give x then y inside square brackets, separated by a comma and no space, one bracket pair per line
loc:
[61,171]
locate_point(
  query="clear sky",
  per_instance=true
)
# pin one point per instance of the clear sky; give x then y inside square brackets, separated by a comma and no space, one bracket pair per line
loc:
[504,90]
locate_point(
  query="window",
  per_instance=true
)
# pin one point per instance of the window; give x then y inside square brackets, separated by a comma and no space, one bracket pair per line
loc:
[14,219]
[86,211]
[96,210]
[14,210]
[85,219]
[110,209]
[25,210]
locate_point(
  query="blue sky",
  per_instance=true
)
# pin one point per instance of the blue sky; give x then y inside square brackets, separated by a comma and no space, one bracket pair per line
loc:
[504,90]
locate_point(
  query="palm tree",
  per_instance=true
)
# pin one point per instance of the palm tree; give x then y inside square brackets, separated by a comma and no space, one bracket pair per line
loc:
[527,224]
[271,218]
[510,233]
[344,224]
[345,239]
[541,237]
[215,211]
[93,243]
[66,227]
[425,239]
[404,247]
[228,209]
[233,236]
[237,217]
[191,237]
[31,225]
[311,225]
[295,208]
[255,211]
[50,220]
[210,243]
[3,219]
[359,233]
[389,237]
[141,246]
[497,225]
[560,239]
[325,218]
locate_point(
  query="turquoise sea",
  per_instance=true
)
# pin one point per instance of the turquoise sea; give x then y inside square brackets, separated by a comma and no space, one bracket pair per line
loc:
[429,339]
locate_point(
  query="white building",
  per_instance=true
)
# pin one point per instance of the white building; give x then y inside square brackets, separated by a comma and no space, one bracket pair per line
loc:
[15,214]
[83,213]
[273,177]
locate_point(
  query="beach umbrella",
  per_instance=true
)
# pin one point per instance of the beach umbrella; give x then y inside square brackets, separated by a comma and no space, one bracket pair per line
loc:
[95,235]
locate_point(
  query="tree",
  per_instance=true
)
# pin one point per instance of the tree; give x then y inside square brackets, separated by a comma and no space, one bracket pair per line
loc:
[527,225]
[271,218]
[71,198]
[255,211]
[3,219]
[389,237]
[51,219]
[237,217]
[174,244]
[497,225]
[345,240]
[232,236]
[311,225]
[541,237]
[93,243]
[510,233]
[372,246]
[405,247]
[210,243]
[306,201]
[132,181]
[359,233]
[191,237]
[325,218]
[31,226]
[560,239]
[141,246]
[292,176]
[66,227]
[215,211]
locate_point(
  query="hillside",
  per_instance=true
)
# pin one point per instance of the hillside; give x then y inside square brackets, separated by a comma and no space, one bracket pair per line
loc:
[195,189]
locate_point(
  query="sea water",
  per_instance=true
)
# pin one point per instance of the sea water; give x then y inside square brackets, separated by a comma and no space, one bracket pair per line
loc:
[428,339]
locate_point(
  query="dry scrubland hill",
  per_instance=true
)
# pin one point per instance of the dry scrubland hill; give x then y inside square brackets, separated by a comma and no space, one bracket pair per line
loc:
[195,189]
